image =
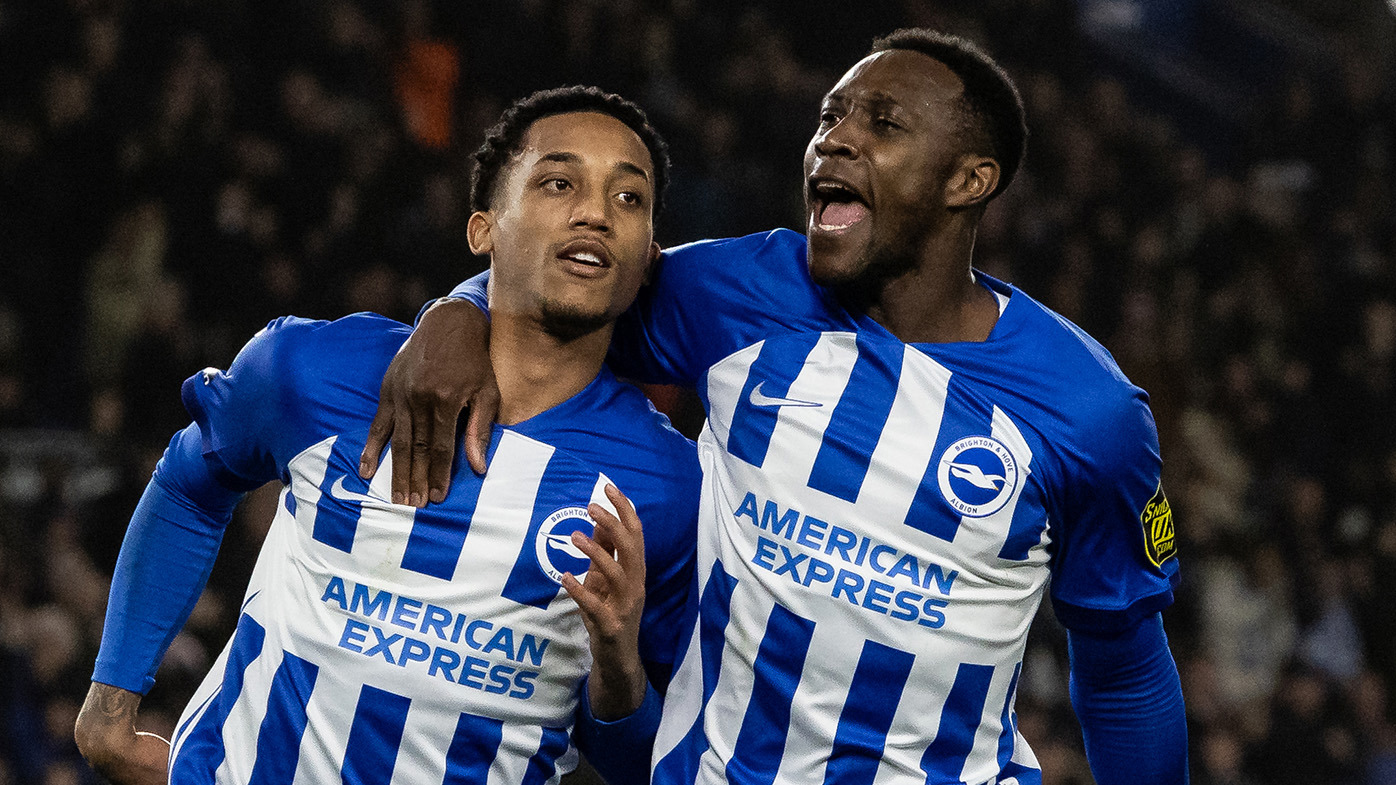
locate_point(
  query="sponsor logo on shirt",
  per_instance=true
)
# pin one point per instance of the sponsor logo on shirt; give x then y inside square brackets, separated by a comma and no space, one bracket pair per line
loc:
[977,476]
[1160,543]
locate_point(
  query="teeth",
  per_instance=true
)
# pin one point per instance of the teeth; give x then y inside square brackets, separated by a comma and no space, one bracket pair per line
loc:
[587,257]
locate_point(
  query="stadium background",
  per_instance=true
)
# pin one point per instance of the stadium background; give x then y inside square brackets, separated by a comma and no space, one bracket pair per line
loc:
[1208,190]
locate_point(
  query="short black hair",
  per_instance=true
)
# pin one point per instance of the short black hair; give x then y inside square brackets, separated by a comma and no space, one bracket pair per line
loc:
[502,141]
[991,100]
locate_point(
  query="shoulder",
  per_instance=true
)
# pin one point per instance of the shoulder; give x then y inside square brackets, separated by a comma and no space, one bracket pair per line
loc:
[307,354]
[778,252]
[775,243]
[649,448]
[1091,414]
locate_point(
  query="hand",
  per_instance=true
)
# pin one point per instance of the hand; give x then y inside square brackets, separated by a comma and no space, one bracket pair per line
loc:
[107,737]
[612,601]
[443,368]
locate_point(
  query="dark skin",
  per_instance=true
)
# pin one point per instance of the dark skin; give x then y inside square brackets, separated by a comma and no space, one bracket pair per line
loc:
[892,134]
[570,236]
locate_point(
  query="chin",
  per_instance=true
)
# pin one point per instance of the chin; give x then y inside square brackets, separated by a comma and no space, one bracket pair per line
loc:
[569,321]
[833,266]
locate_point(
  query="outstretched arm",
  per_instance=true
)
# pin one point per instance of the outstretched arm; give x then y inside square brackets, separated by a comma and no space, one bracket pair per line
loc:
[1128,697]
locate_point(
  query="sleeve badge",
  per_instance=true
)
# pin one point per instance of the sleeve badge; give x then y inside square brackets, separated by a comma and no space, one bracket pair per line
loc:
[1160,541]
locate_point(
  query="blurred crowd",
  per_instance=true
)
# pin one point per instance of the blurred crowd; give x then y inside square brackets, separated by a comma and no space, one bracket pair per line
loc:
[175,173]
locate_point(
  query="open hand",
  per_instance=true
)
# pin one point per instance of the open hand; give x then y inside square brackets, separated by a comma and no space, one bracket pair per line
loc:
[612,601]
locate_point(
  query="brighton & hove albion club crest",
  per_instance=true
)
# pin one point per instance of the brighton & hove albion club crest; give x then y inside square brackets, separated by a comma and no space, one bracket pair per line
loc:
[553,545]
[977,476]
[1160,543]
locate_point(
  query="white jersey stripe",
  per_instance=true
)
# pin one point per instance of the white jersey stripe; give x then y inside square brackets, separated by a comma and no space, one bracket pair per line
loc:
[503,512]
[243,725]
[800,428]
[510,769]
[724,388]
[904,451]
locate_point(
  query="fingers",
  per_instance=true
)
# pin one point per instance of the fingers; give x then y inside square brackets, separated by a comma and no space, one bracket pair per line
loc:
[602,562]
[441,453]
[402,453]
[484,410]
[378,433]
[629,535]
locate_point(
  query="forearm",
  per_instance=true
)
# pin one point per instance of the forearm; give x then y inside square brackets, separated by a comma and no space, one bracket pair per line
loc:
[165,559]
[1128,697]
[106,736]
[619,749]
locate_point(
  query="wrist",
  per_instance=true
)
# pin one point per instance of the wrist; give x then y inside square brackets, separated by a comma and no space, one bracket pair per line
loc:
[617,690]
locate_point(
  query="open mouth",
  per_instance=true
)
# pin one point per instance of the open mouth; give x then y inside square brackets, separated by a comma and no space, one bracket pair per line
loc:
[586,252]
[837,206]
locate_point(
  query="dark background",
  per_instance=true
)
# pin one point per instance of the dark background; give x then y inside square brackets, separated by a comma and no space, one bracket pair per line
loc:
[1208,191]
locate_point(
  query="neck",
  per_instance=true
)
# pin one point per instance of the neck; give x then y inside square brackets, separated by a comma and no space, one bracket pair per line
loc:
[936,299]
[536,371]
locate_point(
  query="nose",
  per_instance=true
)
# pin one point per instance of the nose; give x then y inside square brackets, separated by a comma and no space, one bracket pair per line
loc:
[590,211]
[837,141]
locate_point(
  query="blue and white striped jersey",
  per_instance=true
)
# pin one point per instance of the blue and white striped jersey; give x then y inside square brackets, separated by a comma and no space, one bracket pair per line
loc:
[879,522]
[382,644]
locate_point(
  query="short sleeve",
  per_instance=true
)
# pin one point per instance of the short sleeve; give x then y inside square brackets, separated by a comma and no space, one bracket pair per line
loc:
[1115,558]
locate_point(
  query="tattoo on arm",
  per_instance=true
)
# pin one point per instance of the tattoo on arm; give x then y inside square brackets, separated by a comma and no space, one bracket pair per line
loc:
[112,704]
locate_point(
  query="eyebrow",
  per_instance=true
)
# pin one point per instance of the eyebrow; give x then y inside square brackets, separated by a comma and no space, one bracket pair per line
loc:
[573,158]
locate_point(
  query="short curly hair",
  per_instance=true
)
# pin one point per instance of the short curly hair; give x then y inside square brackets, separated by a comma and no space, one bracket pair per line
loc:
[991,100]
[502,141]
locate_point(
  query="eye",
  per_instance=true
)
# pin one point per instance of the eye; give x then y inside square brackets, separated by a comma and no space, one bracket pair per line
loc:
[828,117]
[631,197]
[556,184]
[885,123]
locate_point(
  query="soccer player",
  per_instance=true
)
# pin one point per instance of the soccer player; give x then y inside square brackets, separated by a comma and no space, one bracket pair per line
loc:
[900,452]
[378,642]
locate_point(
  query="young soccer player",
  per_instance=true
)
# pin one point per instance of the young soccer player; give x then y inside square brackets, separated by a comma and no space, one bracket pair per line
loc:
[378,642]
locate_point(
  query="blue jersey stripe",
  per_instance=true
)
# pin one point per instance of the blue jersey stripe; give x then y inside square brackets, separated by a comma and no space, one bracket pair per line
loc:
[1008,722]
[202,753]
[779,661]
[544,762]
[774,370]
[1028,522]
[337,514]
[374,737]
[945,758]
[873,696]
[279,738]
[964,416]
[438,535]
[714,611]
[565,484]
[473,749]
[858,420]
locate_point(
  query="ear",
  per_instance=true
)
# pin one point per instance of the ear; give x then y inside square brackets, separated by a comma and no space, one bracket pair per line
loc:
[479,230]
[651,264]
[972,182]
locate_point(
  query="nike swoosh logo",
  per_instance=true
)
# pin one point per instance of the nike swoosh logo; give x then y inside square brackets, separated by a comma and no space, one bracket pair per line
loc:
[345,495]
[759,398]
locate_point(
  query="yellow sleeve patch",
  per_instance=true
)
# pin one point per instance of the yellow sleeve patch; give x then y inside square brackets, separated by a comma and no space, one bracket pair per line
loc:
[1160,541]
